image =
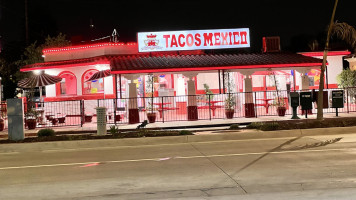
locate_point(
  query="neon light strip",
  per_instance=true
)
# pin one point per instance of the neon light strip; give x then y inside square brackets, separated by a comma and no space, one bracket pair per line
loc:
[65,66]
[330,53]
[74,48]
[214,68]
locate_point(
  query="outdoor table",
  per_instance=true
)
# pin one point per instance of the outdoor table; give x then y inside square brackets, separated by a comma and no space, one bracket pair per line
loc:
[212,106]
[88,117]
[265,104]
[61,118]
[49,116]
[161,108]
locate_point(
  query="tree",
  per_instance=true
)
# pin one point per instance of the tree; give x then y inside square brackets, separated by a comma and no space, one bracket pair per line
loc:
[323,66]
[347,33]
[347,79]
[33,53]
[10,69]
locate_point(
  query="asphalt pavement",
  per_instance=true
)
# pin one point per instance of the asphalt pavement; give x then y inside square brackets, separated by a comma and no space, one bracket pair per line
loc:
[298,164]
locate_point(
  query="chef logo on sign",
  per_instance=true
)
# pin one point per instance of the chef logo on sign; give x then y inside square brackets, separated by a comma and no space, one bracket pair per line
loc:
[151,43]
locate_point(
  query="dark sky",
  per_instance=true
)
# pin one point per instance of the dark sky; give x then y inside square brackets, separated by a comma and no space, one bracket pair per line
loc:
[285,18]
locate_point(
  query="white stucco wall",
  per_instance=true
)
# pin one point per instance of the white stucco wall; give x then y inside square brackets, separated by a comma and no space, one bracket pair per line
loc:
[211,79]
[334,67]
[78,72]
[108,85]
[257,80]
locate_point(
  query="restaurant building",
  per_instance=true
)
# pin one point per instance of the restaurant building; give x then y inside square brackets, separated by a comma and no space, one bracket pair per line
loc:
[183,63]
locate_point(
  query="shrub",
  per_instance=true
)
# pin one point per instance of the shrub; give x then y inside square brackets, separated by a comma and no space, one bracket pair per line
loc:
[45,132]
[234,127]
[270,126]
[254,125]
[114,130]
[348,122]
[185,132]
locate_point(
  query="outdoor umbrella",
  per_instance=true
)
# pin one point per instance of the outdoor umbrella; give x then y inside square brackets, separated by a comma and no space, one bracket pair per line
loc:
[100,74]
[39,81]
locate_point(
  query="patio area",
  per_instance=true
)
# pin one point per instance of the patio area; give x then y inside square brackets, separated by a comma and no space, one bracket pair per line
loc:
[173,110]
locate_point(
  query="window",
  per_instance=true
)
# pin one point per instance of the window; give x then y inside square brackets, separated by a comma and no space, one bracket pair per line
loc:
[68,84]
[92,87]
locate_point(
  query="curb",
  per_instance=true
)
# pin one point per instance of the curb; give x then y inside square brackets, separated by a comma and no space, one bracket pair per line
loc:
[169,140]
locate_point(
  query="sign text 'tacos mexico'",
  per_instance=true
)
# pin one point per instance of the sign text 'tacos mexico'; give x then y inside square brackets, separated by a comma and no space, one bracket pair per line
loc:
[193,40]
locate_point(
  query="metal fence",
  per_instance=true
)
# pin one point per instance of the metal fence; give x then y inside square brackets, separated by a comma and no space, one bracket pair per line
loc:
[213,106]
[175,108]
[55,114]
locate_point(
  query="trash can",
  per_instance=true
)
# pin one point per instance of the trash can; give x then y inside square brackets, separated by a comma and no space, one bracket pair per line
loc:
[101,120]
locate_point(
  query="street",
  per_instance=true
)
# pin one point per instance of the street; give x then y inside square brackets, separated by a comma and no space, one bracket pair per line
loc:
[305,167]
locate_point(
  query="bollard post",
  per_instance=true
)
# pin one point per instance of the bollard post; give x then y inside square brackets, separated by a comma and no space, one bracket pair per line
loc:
[101,120]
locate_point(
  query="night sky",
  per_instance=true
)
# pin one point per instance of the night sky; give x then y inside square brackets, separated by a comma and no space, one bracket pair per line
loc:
[293,21]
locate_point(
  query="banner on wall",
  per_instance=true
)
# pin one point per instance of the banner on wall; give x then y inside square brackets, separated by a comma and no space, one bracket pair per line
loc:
[193,40]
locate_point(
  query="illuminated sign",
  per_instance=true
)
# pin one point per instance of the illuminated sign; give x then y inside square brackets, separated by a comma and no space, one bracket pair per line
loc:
[193,40]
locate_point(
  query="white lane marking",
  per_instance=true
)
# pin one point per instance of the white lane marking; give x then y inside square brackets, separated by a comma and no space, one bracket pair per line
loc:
[177,157]
[52,165]
[163,159]
[9,153]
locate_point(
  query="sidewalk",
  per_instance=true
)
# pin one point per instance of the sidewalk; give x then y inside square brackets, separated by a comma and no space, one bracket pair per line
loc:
[216,124]
[202,136]
[191,125]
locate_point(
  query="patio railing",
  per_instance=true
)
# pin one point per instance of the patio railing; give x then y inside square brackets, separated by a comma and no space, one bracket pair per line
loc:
[175,108]
[213,106]
[54,114]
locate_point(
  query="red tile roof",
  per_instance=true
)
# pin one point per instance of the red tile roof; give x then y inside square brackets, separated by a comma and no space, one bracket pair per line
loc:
[170,63]
[146,63]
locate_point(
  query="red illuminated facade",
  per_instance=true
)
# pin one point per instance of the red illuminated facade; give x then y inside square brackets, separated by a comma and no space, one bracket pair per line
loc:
[75,64]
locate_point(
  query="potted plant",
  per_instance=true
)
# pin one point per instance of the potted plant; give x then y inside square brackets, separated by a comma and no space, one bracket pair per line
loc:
[151,115]
[230,106]
[31,118]
[278,101]
[281,106]
[230,100]
[31,114]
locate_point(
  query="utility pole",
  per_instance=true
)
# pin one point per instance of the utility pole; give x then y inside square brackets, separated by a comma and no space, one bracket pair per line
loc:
[26,23]
[323,66]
